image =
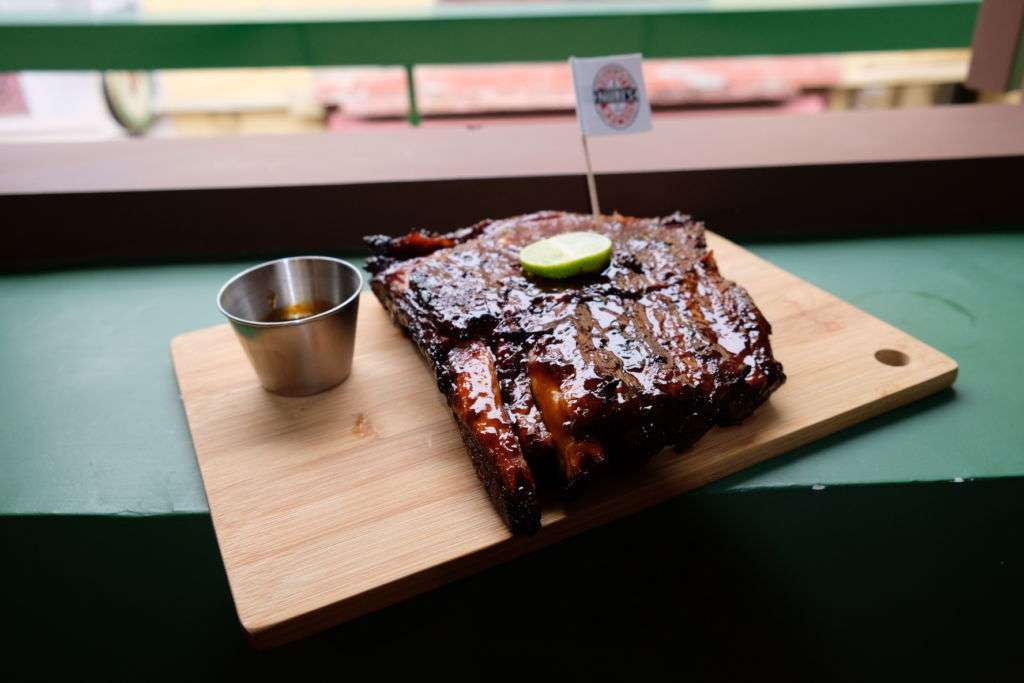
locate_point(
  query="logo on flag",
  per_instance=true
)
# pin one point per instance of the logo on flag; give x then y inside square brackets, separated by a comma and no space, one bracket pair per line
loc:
[615,96]
[610,95]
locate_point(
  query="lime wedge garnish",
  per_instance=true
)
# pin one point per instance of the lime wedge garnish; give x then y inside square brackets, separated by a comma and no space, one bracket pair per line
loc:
[567,254]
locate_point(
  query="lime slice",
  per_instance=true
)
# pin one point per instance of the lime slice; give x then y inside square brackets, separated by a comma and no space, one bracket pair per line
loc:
[567,254]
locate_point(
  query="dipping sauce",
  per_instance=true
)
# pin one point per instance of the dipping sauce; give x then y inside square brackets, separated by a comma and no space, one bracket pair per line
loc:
[298,311]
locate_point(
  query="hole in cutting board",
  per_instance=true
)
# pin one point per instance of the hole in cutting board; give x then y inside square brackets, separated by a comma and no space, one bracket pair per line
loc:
[891,357]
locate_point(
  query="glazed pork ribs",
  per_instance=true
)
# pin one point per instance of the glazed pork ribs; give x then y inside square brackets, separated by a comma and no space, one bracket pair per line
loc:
[551,381]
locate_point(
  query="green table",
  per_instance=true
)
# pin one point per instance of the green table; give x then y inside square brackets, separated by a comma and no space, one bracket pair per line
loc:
[892,547]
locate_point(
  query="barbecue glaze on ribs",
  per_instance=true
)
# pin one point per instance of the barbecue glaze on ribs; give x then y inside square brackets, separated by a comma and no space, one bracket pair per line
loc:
[553,380]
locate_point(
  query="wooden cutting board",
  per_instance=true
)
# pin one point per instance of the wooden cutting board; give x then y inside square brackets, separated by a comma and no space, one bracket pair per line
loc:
[335,505]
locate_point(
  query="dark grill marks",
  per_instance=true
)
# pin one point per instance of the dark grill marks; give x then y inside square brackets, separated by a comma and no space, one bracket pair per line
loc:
[555,379]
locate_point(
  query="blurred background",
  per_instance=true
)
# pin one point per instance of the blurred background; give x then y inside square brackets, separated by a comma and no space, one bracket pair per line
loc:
[91,105]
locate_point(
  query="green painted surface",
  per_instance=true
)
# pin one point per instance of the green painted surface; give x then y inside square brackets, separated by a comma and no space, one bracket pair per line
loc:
[1017,73]
[91,421]
[962,294]
[482,33]
[410,85]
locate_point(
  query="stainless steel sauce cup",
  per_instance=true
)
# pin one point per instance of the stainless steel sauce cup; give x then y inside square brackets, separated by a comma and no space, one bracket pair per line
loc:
[304,355]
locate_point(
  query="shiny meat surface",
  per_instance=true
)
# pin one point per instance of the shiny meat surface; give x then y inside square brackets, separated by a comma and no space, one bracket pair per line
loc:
[552,380]
[476,400]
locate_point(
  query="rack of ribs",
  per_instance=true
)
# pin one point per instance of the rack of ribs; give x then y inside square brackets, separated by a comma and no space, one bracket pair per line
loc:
[553,381]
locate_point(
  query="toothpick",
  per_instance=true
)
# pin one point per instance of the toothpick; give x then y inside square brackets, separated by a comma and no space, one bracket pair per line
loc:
[595,207]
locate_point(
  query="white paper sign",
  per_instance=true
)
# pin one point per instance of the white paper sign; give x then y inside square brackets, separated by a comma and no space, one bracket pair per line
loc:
[610,95]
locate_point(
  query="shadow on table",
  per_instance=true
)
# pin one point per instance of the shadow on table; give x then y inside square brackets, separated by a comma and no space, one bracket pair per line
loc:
[862,582]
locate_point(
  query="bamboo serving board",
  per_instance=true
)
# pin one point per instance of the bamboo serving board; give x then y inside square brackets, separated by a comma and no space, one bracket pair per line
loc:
[335,505]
